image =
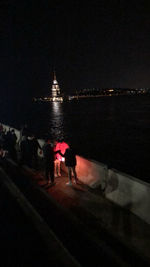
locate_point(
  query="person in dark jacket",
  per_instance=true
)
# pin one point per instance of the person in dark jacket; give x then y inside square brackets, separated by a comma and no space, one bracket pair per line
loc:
[11,139]
[48,153]
[24,151]
[70,162]
[24,130]
[34,146]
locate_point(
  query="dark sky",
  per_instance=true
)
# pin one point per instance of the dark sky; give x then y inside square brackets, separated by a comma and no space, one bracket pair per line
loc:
[91,44]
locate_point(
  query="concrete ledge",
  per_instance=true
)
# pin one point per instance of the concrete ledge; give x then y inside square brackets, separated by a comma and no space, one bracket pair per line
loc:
[129,192]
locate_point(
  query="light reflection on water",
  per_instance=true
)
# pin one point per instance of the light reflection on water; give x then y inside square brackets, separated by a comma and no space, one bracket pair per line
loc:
[57,121]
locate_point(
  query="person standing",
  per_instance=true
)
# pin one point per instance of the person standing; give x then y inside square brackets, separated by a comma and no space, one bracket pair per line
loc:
[24,131]
[48,153]
[34,151]
[56,161]
[24,151]
[12,139]
[70,162]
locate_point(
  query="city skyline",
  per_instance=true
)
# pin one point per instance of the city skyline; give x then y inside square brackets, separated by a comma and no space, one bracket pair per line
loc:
[101,44]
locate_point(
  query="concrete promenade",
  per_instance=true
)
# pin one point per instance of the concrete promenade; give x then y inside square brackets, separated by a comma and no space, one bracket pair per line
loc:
[92,231]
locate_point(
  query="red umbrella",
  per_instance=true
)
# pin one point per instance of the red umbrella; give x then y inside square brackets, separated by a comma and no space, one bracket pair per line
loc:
[62,147]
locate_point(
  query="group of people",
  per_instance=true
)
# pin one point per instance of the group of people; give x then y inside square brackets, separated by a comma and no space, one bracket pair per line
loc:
[8,141]
[52,157]
[22,150]
[53,153]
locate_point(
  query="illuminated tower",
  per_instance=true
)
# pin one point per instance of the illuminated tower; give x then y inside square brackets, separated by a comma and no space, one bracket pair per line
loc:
[55,87]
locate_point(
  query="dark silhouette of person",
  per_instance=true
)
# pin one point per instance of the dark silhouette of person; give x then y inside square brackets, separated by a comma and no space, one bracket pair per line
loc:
[34,151]
[7,139]
[24,130]
[11,139]
[70,162]
[13,142]
[24,150]
[48,153]
[29,151]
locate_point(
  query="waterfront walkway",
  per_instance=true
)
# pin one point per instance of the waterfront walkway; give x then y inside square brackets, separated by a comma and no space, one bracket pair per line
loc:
[91,231]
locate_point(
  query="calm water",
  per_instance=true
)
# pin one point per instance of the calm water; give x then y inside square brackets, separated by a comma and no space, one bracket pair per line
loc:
[112,130]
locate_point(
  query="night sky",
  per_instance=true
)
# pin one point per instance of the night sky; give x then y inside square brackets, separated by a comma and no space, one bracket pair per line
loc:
[90,45]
